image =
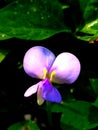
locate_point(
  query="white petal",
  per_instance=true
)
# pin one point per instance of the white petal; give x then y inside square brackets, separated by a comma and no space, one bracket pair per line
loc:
[36,59]
[67,68]
[31,90]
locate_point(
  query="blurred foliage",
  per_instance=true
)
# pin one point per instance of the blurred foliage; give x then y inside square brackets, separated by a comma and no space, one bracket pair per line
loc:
[26,125]
[59,25]
[94,83]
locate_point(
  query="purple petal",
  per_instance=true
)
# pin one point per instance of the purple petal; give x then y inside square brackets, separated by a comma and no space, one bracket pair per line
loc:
[31,90]
[50,93]
[67,68]
[36,59]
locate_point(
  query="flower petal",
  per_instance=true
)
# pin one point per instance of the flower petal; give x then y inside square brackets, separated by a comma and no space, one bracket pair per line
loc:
[31,90]
[36,59]
[50,93]
[40,100]
[67,68]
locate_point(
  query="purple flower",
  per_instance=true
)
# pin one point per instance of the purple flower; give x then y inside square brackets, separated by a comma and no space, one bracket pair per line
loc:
[40,62]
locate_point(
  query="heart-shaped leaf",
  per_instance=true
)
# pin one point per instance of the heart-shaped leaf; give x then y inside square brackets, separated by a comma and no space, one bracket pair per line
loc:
[33,20]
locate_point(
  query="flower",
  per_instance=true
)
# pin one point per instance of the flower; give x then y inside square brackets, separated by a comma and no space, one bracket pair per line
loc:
[40,62]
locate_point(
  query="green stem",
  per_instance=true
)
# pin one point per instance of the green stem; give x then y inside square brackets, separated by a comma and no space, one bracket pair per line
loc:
[49,113]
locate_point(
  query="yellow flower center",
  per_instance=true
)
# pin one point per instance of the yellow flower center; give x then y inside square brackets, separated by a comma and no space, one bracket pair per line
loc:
[48,75]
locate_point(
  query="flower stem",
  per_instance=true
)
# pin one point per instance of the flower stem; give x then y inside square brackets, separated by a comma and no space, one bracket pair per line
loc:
[49,113]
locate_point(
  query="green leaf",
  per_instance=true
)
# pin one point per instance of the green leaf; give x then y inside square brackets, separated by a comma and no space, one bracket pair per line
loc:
[75,114]
[4,36]
[93,118]
[26,125]
[83,5]
[3,54]
[96,103]
[91,30]
[89,22]
[94,83]
[32,20]
[67,127]
[91,11]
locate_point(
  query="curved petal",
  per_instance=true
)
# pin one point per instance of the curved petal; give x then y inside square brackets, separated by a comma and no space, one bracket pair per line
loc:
[31,90]
[50,93]
[67,68]
[36,59]
[40,99]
